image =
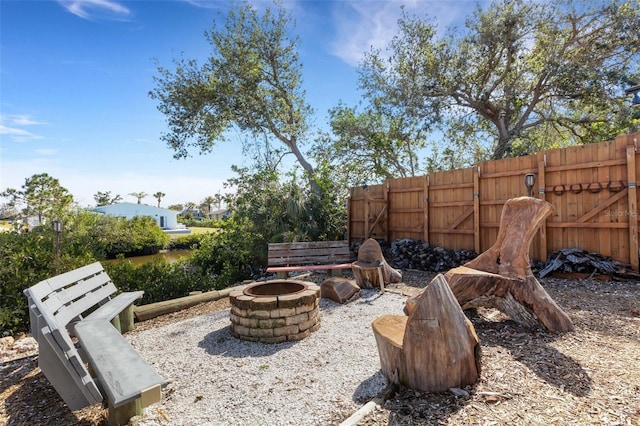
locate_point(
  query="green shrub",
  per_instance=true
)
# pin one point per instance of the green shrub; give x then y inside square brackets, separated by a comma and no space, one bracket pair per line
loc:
[185,242]
[235,253]
[161,280]
[202,223]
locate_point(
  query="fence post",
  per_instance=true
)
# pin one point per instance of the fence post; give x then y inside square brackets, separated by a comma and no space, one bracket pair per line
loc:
[349,216]
[425,210]
[388,209]
[365,195]
[476,209]
[542,195]
[633,206]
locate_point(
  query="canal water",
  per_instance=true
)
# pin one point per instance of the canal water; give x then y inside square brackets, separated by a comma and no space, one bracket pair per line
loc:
[168,256]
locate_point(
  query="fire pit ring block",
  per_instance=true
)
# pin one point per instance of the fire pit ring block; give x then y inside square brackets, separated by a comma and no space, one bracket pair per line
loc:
[275,311]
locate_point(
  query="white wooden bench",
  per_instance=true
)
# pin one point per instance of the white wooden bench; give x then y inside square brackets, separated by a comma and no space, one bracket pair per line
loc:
[308,256]
[79,304]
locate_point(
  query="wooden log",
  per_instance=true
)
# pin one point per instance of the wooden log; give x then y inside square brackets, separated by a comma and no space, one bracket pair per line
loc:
[433,349]
[368,275]
[152,310]
[341,290]
[473,288]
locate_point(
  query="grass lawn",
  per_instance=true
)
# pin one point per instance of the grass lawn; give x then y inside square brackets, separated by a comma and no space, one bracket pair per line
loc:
[198,230]
[195,230]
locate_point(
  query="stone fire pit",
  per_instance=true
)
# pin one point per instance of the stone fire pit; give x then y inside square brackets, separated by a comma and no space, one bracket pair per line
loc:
[275,311]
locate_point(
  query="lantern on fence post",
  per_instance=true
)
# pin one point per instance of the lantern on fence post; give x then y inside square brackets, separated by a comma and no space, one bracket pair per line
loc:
[529,181]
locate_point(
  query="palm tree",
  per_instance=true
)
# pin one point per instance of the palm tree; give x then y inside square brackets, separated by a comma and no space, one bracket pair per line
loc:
[138,195]
[208,202]
[158,195]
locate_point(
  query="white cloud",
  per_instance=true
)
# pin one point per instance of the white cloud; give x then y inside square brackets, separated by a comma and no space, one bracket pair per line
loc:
[361,25]
[87,9]
[12,126]
[23,120]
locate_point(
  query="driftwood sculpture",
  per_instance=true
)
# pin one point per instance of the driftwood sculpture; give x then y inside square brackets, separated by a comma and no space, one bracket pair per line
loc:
[501,277]
[371,269]
[434,348]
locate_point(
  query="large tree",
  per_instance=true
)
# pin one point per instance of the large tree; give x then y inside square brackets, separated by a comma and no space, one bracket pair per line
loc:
[369,146]
[41,197]
[251,82]
[523,75]
[105,198]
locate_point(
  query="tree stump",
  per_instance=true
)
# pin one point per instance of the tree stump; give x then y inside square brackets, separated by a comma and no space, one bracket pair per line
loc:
[371,269]
[339,289]
[501,277]
[433,349]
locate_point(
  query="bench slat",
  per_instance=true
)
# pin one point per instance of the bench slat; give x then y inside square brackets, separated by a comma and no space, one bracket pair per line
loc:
[81,288]
[306,244]
[308,253]
[113,307]
[65,314]
[82,273]
[308,268]
[122,371]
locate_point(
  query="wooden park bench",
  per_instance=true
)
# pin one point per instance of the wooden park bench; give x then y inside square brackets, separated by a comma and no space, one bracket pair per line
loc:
[79,304]
[308,256]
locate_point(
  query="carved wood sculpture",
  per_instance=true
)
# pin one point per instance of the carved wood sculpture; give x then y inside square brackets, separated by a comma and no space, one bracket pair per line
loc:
[501,277]
[433,349]
[371,269]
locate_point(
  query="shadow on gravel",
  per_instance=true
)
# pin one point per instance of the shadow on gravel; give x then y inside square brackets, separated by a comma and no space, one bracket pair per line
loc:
[221,342]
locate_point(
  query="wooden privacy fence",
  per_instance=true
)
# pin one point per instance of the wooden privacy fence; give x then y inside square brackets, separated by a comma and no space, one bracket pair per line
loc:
[592,187]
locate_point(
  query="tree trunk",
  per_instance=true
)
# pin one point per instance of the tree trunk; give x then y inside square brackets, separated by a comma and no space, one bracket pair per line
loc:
[370,261]
[433,349]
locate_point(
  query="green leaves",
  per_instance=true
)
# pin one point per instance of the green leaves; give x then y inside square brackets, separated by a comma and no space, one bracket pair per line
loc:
[521,73]
[41,198]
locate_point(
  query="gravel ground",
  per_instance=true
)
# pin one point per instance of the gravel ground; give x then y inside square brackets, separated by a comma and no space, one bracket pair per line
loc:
[216,379]
[529,377]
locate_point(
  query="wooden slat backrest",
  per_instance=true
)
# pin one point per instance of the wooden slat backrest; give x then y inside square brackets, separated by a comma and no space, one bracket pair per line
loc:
[309,253]
[70,295]
[59,359]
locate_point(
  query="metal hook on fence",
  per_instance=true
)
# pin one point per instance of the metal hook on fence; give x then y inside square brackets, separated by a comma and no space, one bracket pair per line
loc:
[575,191]
[558,192]
[594,190]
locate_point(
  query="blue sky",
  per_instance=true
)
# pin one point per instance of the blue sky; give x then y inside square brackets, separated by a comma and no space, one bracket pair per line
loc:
[75,77]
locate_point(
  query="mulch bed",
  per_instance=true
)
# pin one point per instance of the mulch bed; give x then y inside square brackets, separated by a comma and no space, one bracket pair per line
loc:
[529,377]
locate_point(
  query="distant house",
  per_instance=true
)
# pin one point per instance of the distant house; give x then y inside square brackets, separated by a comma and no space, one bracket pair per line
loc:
[166,219]
[220,214]
[191,213]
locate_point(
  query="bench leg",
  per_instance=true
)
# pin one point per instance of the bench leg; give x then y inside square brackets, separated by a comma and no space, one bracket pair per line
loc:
[116,323]
[283,275]
[126,319]
[120,416]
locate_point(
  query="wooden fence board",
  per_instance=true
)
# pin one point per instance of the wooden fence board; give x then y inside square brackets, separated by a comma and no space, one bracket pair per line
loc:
[461,208]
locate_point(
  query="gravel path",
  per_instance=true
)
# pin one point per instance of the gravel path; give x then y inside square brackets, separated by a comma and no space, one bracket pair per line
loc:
[216,379]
